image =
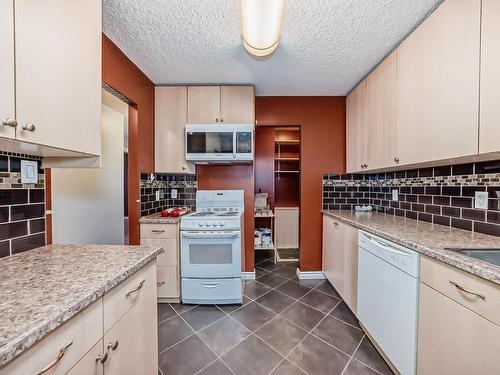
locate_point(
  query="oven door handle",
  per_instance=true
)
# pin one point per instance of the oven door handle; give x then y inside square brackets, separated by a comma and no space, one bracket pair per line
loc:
[204,235]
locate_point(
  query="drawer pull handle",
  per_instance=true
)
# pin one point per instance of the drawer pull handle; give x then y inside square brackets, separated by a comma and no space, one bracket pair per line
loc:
[62,351]
[460,287]
[161,283]
[102,358]
[210,285]
[138,287]
[158,230]
[112,346]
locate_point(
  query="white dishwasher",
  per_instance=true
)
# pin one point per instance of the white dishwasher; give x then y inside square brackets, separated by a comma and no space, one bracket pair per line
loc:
[388,277]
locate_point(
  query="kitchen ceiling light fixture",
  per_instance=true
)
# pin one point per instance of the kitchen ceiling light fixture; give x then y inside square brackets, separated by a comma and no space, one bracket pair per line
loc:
[261,25]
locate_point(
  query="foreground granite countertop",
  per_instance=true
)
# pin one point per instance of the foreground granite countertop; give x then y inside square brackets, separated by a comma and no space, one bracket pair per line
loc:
[43,288]
[426,238]
[158,219]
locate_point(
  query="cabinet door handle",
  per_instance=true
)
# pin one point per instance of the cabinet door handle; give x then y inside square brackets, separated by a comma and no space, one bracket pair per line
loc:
[460,287]
[113,346]
[102,358]
[161,283]
[217,120]
[158,230]
[396,160]
[221,120]
[137,288]
[9,122]
[29,127]
[62,351]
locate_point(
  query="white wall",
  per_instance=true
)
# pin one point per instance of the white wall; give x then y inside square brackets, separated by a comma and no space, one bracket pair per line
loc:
[87,204]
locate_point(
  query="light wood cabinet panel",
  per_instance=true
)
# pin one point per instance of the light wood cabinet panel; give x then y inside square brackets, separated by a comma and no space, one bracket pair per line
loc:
[287,227]
[78,335]
[237,104]
[170,121]
[453,340]
[89,365]
[356,128]
[438,85]
[153,231]
[7,108]
[489,123]
[136,334]
[203,104]
[381,93]
[168,283]
[58,89]
[170,256]
[340,259]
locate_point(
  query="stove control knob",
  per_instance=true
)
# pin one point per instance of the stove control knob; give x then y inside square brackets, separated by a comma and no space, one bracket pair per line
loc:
[207,224]
[221,223]
[214,224]
[200,224]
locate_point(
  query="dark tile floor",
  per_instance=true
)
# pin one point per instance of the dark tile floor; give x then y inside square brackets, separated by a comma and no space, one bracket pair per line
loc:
[285,326]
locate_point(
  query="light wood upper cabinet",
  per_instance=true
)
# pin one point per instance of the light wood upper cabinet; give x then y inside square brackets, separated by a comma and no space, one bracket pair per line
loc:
[58,73]
[489,123]
[438,85]
[381,92]
[203,104]
[340,259]
[170,121]
[7,68]
[237,104]
[221,104]
[453,339]
[356,128]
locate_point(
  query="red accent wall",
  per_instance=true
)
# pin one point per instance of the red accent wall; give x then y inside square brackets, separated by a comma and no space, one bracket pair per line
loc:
[227,177]
[322,122]
[119,72]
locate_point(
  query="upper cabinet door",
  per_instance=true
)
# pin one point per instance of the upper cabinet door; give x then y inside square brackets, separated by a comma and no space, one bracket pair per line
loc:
[203,104]
[438,85]
[58,73]
[489,127]
[381,114]
[7,108]
[356,128]
[170,121]
[237,105]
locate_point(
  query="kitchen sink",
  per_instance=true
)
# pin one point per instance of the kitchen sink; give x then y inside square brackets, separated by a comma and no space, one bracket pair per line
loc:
[491,255]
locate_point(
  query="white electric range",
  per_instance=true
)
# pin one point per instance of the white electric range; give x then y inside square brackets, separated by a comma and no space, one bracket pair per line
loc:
[211,245]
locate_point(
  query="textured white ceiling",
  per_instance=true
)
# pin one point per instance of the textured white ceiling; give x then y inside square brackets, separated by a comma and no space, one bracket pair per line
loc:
[327,46]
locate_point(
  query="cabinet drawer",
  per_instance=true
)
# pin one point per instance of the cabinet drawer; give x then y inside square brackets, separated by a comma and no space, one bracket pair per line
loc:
[121,299]
[159,231]
[440,277]
[170,256]
[89,365]
[168,282]
[83,331]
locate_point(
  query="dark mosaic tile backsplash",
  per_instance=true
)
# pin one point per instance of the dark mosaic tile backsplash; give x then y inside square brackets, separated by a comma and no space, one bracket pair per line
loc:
[185,184]
[22,207]
[440,195]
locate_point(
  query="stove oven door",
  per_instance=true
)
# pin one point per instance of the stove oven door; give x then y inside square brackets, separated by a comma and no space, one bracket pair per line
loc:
[210,254]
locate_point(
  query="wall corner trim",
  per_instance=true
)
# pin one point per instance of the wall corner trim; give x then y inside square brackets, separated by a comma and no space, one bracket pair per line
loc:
[248,275]
[310,275]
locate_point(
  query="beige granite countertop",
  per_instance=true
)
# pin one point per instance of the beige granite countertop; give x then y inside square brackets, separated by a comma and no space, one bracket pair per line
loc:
[43,288]
[426,238]
[158,219]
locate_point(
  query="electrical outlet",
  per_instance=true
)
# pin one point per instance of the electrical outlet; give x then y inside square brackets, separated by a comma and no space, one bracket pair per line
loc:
[395,195]
[157,193]
[481,200]
[173,193]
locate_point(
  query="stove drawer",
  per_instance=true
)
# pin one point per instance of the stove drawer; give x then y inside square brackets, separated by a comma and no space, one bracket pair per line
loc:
[212,291]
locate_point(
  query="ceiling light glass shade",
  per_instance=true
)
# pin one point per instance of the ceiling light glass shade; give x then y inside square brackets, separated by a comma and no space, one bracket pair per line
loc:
[261,25]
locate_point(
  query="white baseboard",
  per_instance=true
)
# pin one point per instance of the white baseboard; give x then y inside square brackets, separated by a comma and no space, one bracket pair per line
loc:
[248,275]
[310,275]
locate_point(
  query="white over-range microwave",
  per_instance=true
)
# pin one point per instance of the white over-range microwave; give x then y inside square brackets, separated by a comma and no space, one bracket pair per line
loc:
[213,143]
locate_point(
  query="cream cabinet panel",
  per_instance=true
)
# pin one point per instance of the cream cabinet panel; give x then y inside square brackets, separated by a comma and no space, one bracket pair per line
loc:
[203,104]
[7,108]
[90,363]
[135,340]
[340,259]
[438,85]
[287,227]
[237,104]
[168,282]
[489,127]
[170,121]
[381,92]
[356,128]
[75,337]
[454,340]
[58,73]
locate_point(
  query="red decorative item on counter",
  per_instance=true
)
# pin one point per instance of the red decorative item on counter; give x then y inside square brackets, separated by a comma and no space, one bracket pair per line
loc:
[174,212]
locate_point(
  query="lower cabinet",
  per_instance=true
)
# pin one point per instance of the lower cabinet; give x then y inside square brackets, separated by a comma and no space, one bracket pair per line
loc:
[90,364]
[340,259]
[453,340]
